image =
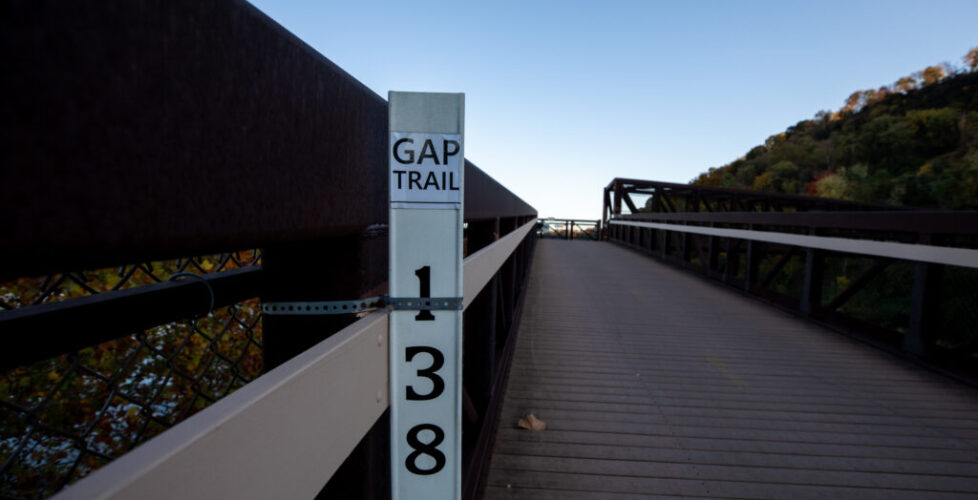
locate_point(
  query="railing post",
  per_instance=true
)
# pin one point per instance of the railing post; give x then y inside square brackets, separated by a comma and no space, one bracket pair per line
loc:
[924,303]
[685,249]
[732,266]
[508,274]
[752,258]
[811,293]
[712,256]
[665,244]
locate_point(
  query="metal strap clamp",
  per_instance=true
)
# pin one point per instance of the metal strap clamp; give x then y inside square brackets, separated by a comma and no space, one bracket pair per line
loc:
[425,303]
[362,305]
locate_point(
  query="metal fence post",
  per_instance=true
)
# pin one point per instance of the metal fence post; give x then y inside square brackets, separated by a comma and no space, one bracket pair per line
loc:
[923,309]
[665,244]
[751,270]
[685,249]
[712,256]
[811,293]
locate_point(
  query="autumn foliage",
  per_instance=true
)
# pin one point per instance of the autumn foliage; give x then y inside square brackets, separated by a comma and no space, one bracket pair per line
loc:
[64,417]
[912,143]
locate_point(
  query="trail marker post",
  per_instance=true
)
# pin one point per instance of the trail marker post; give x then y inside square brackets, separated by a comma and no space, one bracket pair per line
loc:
[427,163]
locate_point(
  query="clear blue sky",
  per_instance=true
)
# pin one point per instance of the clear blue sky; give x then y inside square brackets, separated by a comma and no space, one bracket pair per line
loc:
[561,97]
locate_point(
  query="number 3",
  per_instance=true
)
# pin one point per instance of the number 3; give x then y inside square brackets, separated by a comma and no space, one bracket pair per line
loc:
[437,361]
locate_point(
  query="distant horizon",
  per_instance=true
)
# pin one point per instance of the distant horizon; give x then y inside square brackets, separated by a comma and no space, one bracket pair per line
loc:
[561,101]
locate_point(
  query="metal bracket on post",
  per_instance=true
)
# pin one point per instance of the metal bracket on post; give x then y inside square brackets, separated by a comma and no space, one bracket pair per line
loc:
[424,303]
[322,307]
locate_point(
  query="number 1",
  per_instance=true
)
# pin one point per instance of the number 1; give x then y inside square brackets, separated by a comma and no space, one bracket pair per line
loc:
[424,276]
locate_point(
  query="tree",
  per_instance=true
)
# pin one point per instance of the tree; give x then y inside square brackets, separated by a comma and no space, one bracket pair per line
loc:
[906,84]
[971,59]
[831,185]
[918,148]
[780,178]
[853,102]
[932,74]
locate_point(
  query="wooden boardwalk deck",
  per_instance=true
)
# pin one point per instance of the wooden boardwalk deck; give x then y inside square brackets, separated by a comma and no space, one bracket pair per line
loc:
[657,384]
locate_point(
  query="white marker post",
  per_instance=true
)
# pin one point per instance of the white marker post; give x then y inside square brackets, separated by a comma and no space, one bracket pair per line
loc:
[426,168]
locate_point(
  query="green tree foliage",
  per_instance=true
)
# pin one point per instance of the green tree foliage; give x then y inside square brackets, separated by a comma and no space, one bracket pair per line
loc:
[912,143]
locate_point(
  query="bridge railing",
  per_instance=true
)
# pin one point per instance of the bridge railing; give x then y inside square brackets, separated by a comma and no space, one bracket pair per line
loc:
[904,279]
[172,167]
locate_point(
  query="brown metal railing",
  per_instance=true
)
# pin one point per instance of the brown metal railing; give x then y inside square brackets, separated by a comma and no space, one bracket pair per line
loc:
[828,260]
[207,128]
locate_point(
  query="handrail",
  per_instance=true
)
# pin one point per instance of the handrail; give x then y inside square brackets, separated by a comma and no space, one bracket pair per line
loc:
[917,221]
[277,437]
[964,257]
[482,265]
[281,435]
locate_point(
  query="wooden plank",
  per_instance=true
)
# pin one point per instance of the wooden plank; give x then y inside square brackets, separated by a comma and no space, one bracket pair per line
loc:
[535,494]
[742,458]
[600,485]
[654,383]
[738,445]
[753,473]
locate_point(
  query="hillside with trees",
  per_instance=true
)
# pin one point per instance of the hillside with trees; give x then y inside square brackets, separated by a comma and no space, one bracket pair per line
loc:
[911,143]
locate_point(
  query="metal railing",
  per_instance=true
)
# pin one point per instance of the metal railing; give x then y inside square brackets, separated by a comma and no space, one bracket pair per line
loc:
[903,279]
[206,129]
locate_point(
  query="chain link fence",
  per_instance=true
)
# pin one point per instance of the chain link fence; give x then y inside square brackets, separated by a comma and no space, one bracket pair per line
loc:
[64,417]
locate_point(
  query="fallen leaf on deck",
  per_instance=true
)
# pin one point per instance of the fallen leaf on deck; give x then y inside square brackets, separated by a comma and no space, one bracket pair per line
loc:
[531,422]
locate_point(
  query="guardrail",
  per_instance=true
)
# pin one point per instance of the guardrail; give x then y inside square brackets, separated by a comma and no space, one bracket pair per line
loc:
[297,423]
[903,279]
[154,132]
